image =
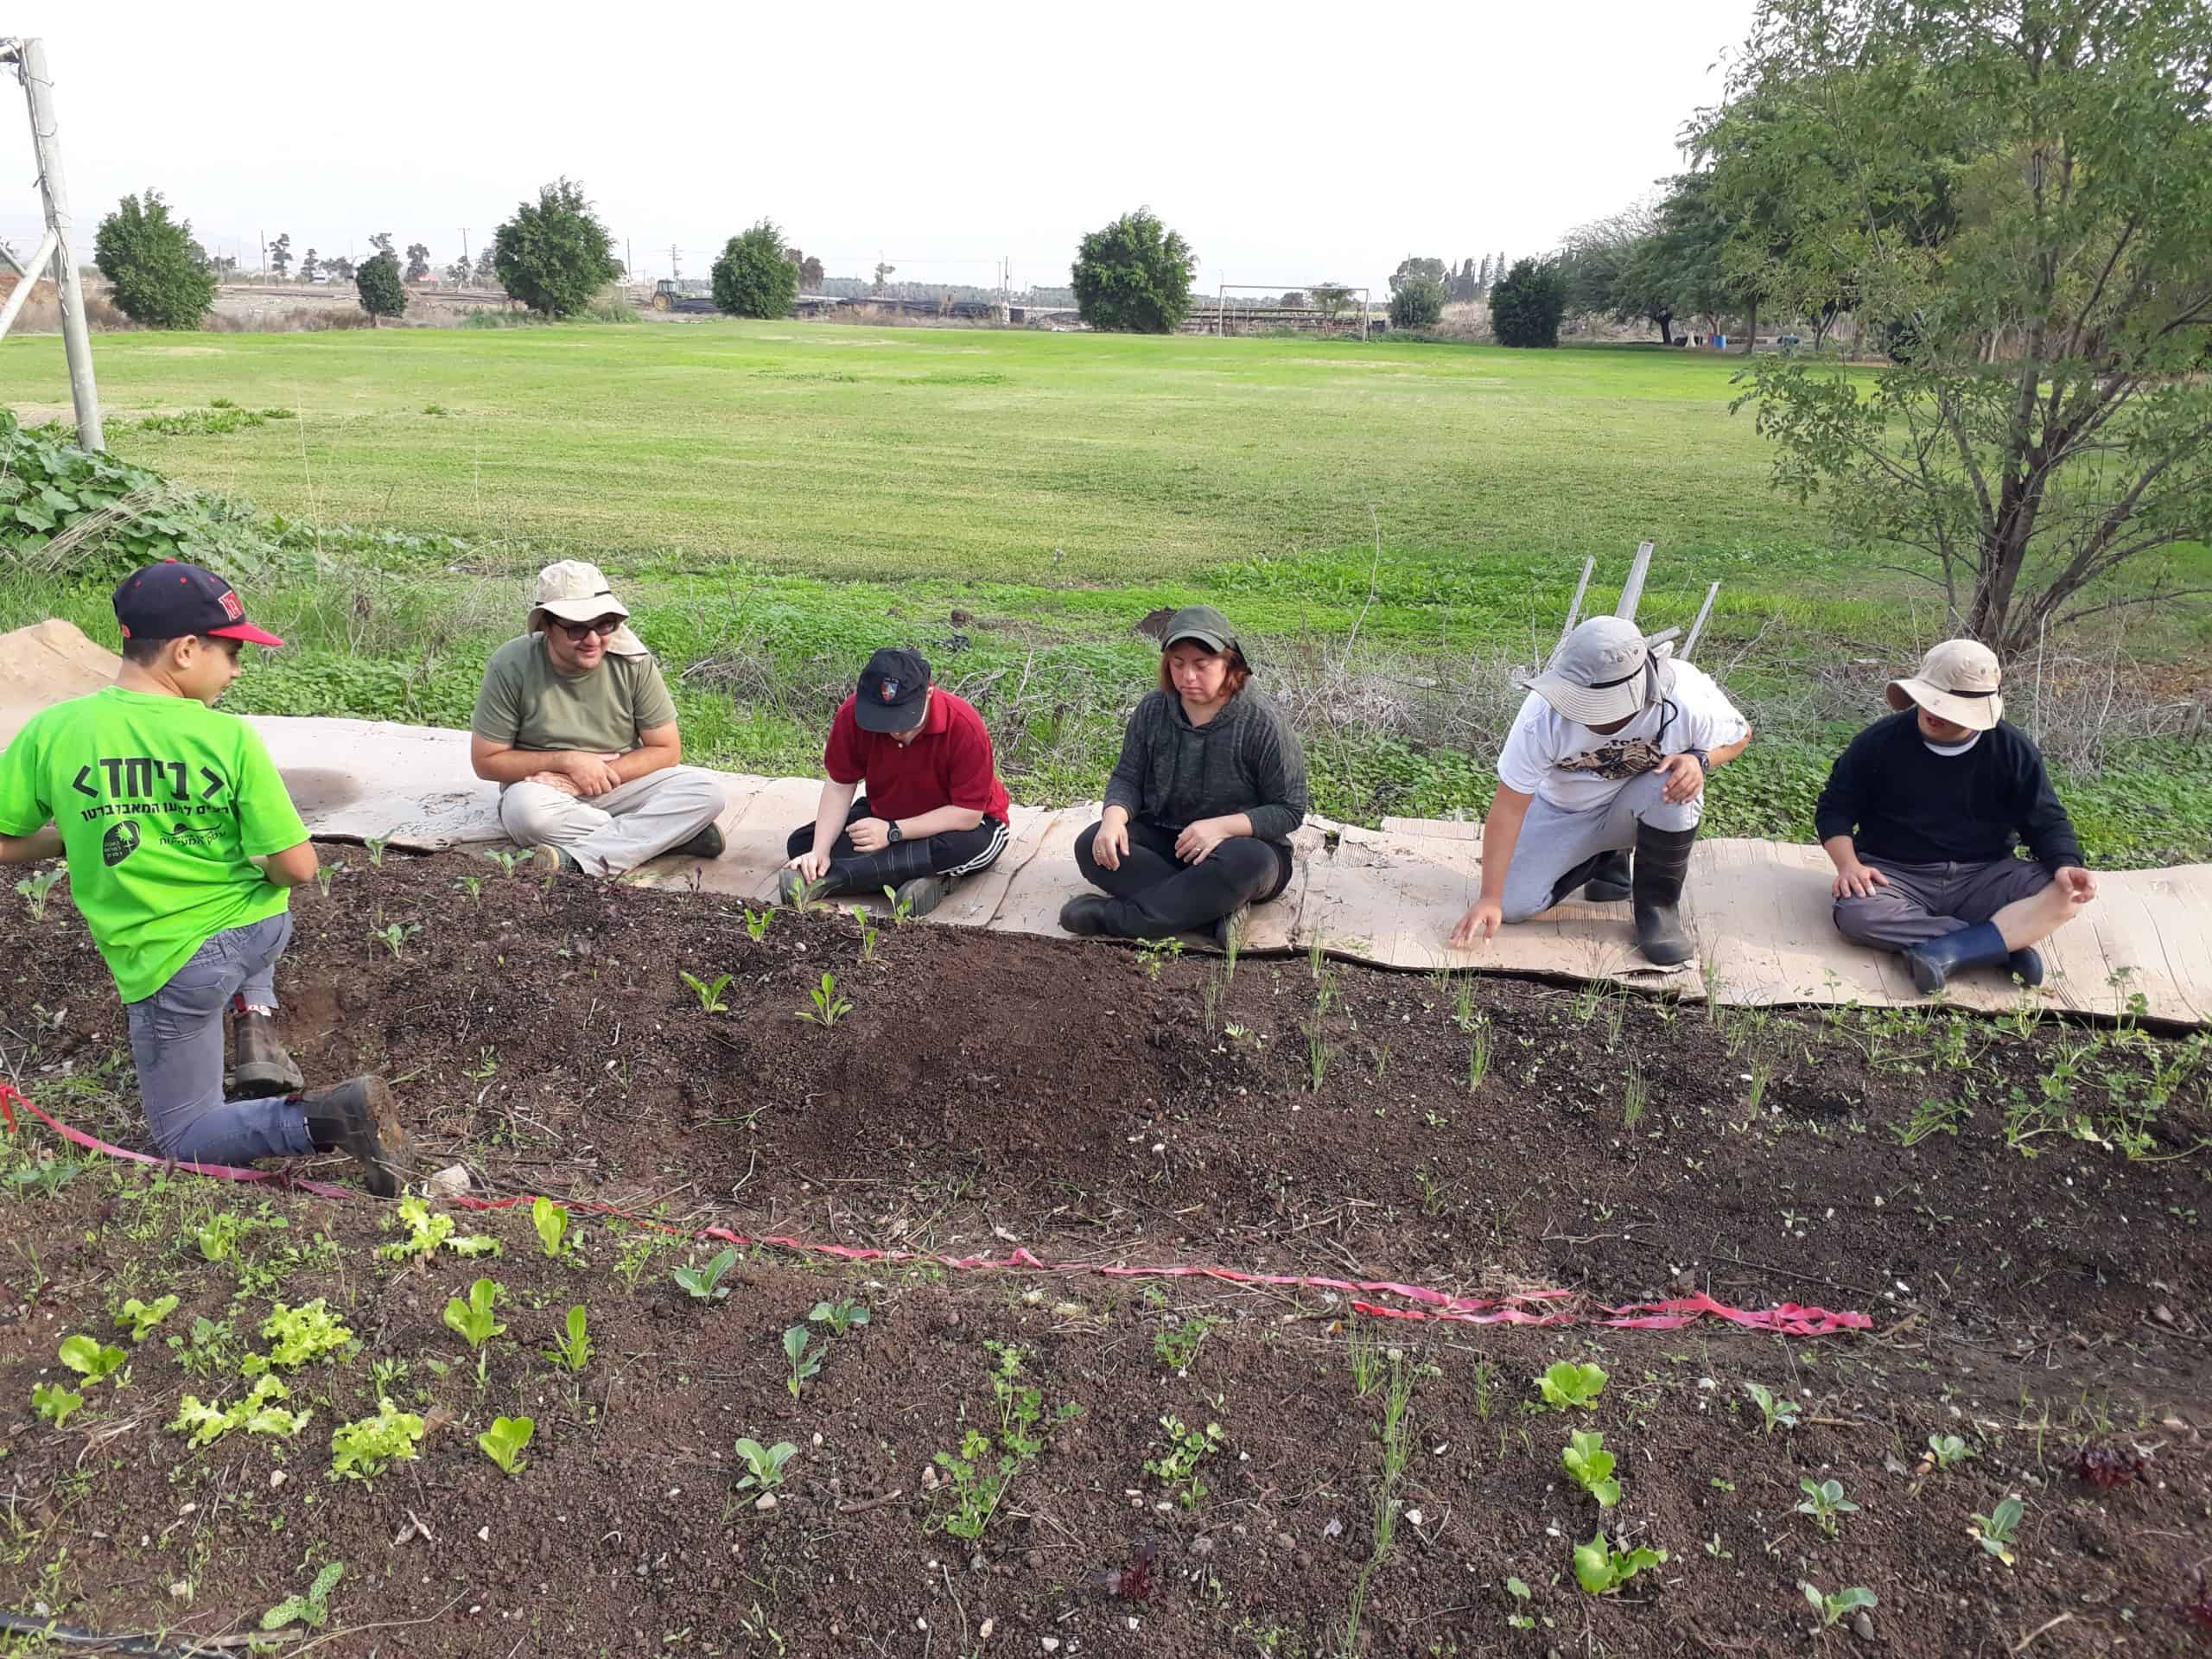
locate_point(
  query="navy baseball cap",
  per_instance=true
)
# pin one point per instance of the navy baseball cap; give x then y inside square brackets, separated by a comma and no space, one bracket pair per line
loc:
[892,690]
[172,598]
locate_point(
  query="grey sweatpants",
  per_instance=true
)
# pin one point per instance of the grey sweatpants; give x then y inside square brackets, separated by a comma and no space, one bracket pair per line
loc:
[1926,901]
[617,831]
[1554,840]
[176,1038]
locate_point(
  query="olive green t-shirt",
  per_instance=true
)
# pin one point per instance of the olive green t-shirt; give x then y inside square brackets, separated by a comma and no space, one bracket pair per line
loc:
[160,801]
[526,705]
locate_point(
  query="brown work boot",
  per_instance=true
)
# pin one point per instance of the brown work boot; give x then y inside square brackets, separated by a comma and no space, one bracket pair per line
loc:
[261,1067]
[358,1116]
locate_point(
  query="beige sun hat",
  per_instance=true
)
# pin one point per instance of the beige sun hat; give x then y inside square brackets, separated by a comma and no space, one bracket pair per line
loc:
[574,591]
[1602,673]
[1957,682]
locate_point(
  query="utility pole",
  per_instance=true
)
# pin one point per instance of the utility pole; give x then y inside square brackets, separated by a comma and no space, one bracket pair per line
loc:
[629,271]
[28,57]
[675,269]
[464,244]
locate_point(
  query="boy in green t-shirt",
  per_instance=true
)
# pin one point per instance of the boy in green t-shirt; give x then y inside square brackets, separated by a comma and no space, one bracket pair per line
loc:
[183,845]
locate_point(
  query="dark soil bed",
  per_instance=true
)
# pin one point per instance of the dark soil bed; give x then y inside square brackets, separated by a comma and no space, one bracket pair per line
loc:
[1967,1183]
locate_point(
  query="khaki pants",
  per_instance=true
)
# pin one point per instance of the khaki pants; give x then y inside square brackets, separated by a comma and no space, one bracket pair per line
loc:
[617,831]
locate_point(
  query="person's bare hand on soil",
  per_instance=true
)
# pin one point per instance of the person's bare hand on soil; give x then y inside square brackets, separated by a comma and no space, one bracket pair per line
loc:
[1480,925]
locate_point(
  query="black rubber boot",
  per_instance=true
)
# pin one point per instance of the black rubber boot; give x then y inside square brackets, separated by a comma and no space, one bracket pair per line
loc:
[1575,877]
[1937,960]
[358,1116]
[1085,914]
[2025,964]
[792,887]
[263,1069]
[1662,863]
[1610,882]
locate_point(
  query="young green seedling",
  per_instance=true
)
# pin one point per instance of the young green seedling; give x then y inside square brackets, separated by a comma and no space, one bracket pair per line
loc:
[868,931]
[394,937]
[313,1609]
[829,1007]
[1833,1610]
[708,991]
[139,1317]
[258,1413]
[551,1221]
[804,1362]
[362,1450]
[765,1462]
[1994,1531]
[840,1316]
[1824,1501]
[1177,1463]
[1947,1451]
[756,924]
[90,1358]
[35,889]
[472,1320]
[54,1403]
[1592,1467]
[503,1442]
[507,862]
[1567,1383]
[574,1352]
[296,1337]
[471,885]
[704,1284]
[1601,1569]
[1777,1413]
[902,909]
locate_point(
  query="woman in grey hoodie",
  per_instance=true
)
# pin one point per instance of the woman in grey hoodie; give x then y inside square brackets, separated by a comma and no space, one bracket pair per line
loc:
[1201,804]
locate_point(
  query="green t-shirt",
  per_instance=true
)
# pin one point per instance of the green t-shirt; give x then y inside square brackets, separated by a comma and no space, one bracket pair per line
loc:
[159,801]
[526,705]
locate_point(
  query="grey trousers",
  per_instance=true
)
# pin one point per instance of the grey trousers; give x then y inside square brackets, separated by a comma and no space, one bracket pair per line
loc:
[1926,901]
[176,1038]
[617,831]
[1554,842]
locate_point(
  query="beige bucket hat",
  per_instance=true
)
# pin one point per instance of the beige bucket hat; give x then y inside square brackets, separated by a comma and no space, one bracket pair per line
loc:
[1957,682]
[1602,673]
[576,592]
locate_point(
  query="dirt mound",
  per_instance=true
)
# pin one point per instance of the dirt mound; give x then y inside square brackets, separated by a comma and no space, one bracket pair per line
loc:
[45,663]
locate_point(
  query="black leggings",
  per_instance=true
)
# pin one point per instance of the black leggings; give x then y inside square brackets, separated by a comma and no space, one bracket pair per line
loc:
[954,852]
[1155,893]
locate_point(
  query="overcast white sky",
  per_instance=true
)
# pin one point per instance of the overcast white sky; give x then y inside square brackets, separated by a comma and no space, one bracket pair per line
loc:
[1304,143]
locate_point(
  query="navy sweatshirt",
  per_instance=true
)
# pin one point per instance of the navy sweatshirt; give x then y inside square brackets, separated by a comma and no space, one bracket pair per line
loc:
[1900,801]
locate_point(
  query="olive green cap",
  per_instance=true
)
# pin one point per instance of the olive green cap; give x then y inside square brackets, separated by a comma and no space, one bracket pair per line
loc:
[1202,623]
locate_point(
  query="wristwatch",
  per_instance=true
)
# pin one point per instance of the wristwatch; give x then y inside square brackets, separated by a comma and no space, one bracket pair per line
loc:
[1704,760]
[894,832]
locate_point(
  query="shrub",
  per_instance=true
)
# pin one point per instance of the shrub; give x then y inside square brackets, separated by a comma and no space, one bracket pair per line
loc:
[1419,303]
[555,255]
[753,278]
[1134,276]
[148,258]
[383,293]
[1526,304]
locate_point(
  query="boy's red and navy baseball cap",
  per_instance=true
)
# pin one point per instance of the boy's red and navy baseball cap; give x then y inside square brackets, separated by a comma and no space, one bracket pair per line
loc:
[172,598]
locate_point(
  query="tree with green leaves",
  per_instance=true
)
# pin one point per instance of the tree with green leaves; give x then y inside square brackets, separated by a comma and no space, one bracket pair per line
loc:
[1417,301]
[1413,270]
[418,262]
[1527,303]
[1613,268]
[2018,194]
[1134,276]
[280,254]
[148,258]
[751,278]
[340,268]
[384,293]
[554,254]
[486,273]
[311,266]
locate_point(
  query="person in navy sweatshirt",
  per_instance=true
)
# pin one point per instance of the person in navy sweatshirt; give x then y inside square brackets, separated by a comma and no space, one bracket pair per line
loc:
[1922,816]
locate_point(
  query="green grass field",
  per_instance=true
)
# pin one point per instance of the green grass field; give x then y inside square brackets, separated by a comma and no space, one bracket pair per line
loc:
[777,498]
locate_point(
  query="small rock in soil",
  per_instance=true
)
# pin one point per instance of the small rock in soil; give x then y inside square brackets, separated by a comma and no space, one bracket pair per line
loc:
[1863,1627]
[767,1501]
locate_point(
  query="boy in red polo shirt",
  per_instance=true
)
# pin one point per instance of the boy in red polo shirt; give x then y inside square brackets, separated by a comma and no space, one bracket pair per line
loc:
[934,810]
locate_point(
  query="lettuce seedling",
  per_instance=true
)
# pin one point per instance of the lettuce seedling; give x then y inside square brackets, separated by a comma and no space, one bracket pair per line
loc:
[1824,1501]
[257,1412]
[704,1284]
[54,1403]
[765,1462]
[1834,1609]
[361,1449]
[90,1358]
[551,1221]
[1591,1466]
[139,1318]
[1568,1385]
[839,1316]
[574,1352]
[802,1362]
[1993,1531]
[312,1609]
[1777,1413]
[422,1230]
[503,1442]
[1601,1569]
[472,1320]
[1948,1451]
[708,991]
[296,1337]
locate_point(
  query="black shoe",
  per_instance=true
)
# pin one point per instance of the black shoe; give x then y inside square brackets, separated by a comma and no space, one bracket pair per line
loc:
[916,897]
[2026,965]
[264,1069]
[1085,914]
[1611,881]
[358,1116]
[1661,865]
[1574,877]
[1934,961]
[792,887]
[707,844]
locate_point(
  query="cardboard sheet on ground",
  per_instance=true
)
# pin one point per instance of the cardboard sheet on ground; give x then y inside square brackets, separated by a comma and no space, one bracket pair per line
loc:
[1757,909]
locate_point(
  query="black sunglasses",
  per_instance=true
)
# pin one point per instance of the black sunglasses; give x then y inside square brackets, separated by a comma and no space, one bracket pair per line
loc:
[605,627]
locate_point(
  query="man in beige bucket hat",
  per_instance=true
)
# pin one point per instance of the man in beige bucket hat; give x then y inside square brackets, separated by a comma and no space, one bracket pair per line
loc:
[575,723]
[1609,753]
[1920,817]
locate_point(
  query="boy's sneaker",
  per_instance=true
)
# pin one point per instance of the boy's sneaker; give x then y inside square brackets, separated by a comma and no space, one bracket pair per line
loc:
[358,1116]
[263,1069]
[707,844]
[551,860]
[792,887]
[921,894]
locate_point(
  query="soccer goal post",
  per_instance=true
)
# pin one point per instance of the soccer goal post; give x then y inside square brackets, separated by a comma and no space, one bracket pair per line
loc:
[1269,307]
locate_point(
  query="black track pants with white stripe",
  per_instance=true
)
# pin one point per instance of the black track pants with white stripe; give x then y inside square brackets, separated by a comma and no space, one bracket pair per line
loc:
[956,852]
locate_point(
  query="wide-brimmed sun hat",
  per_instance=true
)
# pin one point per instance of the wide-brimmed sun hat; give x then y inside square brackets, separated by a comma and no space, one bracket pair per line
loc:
[1958,682]
[574,591]
[1602,673]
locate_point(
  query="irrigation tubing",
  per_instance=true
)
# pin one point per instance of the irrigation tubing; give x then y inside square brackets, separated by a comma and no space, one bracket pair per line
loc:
[70,1636]
[1410,1301]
